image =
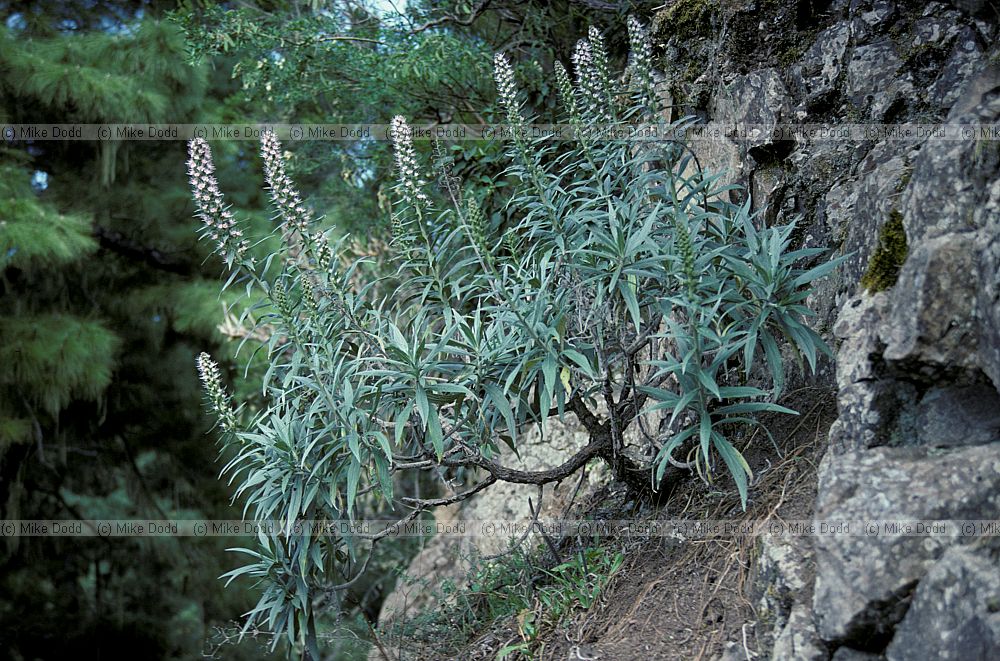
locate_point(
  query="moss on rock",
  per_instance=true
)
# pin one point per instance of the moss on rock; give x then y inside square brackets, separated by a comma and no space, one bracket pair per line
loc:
[687,18]
[883,269]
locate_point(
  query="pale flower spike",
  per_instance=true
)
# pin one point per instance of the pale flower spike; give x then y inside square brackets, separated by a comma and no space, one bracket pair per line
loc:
[602,68]
[220,224]
[586,80]
[506,88]
[211,379]
[410,182]
[294,214]
[641,57]
[565,87]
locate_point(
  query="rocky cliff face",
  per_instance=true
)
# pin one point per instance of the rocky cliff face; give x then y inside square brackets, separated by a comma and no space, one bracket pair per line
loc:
[915,311]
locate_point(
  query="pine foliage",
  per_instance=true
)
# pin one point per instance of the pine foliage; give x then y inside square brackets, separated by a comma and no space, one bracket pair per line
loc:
[130,76]
[57,358]
[102,301]
[32,235]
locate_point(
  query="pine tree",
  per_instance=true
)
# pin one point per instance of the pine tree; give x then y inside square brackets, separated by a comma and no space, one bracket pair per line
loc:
[105,299]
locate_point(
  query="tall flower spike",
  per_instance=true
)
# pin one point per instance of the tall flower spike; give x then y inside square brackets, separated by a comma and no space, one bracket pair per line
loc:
[411,186]
[602,69]
[566,94]
[586,80]
[507,89]
[507,92]
[220,224]
[211,379]
[294,214]
[410,182]
[640,60]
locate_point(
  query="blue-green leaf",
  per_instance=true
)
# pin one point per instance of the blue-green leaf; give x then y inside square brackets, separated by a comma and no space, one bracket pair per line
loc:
[737,465]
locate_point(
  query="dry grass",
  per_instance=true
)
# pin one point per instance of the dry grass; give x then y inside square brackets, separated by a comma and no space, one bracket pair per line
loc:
[685,600]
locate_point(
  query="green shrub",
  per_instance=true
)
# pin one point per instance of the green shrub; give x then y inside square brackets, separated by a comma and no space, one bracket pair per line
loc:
[606,249]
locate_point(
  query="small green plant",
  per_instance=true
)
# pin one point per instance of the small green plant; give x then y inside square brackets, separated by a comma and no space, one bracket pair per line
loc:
[516,583]
[522,590]
[615,276]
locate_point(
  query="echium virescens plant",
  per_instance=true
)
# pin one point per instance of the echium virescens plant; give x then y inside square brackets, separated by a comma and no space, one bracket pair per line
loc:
[620,282]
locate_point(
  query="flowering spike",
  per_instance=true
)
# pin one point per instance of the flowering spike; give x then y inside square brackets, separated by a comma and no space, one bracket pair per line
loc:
[565,87]
[507,89]
[410,183]
[507,93]
[220,224]
[602,68]
[285,197]
[640,59]
[587,82]
[211,379]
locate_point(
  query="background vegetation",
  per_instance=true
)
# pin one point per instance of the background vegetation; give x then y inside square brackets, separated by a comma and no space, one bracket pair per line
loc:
[106,297]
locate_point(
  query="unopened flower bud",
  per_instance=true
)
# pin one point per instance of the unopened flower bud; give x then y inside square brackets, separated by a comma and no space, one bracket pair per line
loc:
[324,253]
[476,229]
[279,296]
[310,295]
